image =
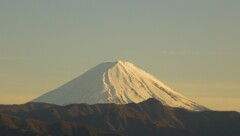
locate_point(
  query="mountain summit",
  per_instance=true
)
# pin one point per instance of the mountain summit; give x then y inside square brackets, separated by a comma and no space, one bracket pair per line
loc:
[116,82]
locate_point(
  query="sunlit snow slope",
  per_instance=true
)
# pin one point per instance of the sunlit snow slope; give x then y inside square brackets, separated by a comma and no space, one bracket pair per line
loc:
[116,82]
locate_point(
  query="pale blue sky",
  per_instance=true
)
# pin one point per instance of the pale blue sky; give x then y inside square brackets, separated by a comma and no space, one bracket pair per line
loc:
[193,46]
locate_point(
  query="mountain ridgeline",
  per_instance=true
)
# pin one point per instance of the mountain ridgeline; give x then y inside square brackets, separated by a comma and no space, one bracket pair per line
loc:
[116,82]
[149,117]
[115,99]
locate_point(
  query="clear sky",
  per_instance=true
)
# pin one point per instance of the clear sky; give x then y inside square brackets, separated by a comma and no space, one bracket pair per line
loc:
[193,46]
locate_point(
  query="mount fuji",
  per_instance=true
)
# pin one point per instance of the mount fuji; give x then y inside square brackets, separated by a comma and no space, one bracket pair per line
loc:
[116,82]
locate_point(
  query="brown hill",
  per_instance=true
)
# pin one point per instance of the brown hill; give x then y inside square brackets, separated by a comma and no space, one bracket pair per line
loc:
[147,118]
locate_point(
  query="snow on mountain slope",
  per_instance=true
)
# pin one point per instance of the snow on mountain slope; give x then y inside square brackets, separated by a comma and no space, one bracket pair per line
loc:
[116,82]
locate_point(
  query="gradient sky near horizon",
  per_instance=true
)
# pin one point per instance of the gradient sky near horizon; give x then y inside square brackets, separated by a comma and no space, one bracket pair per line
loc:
[192,46]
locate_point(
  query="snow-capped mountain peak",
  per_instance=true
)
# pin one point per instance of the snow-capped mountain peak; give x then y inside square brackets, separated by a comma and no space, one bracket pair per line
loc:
[117,82]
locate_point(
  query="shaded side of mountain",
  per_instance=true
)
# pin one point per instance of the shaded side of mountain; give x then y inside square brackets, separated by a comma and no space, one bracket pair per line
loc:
[150,117]
[30,106]
[211,122]
[13,126]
